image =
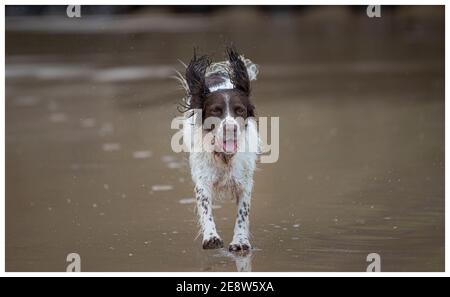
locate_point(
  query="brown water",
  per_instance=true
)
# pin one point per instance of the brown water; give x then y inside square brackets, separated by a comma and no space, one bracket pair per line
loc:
[89,168]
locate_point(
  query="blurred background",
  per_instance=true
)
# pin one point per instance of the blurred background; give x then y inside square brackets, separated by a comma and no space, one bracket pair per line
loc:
[90,170]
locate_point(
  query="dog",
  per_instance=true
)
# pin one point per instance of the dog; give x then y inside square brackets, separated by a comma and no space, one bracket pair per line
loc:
[220,120]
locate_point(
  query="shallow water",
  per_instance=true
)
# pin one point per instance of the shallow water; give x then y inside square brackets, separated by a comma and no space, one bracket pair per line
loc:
[89,168]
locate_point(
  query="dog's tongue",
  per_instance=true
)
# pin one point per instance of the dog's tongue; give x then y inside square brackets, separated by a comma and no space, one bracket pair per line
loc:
[230,146]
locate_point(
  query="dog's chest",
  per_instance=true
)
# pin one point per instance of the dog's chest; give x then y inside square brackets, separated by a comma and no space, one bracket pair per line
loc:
[223,178]
[225,184]
[227,179]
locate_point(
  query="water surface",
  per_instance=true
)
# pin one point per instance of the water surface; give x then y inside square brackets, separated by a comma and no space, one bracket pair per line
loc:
[89,168]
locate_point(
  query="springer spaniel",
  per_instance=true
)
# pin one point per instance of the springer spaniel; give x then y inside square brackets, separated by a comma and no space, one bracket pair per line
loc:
[221,132]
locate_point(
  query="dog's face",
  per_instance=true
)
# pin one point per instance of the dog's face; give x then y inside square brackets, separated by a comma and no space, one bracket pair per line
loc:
[224,111]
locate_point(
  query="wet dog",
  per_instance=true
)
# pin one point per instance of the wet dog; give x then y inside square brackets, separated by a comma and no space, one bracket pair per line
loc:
[221,132]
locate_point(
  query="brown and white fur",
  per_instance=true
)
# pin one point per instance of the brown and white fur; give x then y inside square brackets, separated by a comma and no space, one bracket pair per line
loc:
[224,167]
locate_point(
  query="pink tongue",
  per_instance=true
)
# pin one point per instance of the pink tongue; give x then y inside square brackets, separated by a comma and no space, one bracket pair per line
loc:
[230,146]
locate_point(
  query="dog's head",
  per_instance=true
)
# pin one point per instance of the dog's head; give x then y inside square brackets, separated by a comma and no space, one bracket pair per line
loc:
[223,97]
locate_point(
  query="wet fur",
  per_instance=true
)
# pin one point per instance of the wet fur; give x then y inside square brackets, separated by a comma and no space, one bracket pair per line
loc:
[218,175]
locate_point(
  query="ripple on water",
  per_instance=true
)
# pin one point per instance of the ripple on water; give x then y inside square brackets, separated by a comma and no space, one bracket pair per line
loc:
[187,201]
[142,154]
[111,147]
[87,122]
[161,188]
[58,117]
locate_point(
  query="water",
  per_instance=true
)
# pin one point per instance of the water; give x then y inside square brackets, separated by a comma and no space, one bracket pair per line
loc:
[89,167]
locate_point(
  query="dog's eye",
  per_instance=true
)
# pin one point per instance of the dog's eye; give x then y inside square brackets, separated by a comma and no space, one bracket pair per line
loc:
[239,111]
[216,111]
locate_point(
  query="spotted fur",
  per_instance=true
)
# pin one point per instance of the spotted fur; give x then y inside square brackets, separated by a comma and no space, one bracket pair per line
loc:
[219,175]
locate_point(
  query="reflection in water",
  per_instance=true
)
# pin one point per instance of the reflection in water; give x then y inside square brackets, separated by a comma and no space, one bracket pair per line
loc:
[242,260]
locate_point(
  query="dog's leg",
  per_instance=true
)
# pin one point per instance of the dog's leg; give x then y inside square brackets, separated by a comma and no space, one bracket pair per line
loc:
[211,239]
[241,238]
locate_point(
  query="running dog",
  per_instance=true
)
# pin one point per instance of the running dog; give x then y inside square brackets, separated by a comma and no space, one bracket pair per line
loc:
[221,132]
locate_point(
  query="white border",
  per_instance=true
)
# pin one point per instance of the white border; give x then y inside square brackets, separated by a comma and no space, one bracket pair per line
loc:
[2,148]
[216,2]
[225,2]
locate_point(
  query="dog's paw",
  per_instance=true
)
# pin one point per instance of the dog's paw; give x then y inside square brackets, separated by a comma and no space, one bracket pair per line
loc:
[213,243]
[241,246]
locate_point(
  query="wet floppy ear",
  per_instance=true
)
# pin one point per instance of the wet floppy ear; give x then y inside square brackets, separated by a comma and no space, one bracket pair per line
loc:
[195,78]
[239,75]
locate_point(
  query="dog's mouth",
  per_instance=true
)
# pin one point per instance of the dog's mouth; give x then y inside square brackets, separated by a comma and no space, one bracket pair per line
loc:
[230,146]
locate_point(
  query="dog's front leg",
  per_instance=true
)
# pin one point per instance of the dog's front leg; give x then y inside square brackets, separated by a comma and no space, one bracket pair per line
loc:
[241,238]
[211,239]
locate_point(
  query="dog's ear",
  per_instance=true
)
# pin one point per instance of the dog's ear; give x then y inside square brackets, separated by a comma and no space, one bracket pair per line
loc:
[239,75]
[195,78]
